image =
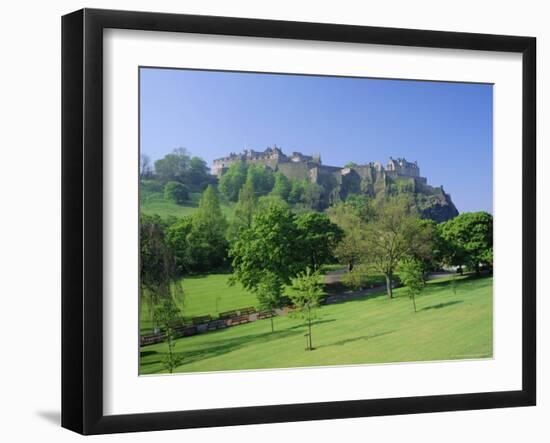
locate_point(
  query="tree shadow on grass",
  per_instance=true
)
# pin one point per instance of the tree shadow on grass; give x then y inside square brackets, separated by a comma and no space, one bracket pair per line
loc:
[355,339]
[224,346]
[441,305]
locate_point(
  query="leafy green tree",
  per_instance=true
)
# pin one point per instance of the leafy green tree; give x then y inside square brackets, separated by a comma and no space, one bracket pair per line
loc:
[393,234]
[176,192]
[282,186]
[357,278]
[348,217]
[411,274]
[469,238]
[306,295]
[296,192]
[318,237]
[246,205]
[167,315]
[261,177]
[173,166]
[207,240]
[233,180]
[269,293]
[177,240]
[269,245]
[197,175]
[158,274]
[350,165]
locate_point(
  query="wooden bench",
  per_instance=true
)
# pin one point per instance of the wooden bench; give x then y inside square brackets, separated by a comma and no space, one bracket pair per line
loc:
[201,319]
[247,311]
[228,314]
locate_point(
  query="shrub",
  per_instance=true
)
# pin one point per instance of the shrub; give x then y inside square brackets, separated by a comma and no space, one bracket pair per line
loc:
[176,192]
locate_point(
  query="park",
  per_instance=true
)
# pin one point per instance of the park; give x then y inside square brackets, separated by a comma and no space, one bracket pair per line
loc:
[255,270]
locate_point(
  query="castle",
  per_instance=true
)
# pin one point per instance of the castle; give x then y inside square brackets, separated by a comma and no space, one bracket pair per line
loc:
[371,178]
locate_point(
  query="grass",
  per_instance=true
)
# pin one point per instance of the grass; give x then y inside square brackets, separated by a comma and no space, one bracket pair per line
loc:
[154,203]
[448,326]
[203,295]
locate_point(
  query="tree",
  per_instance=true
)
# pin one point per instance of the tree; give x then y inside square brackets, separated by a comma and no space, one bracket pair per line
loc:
[167,315]
[351,218]
[177,240]
[158,276]
[261,177]
[269,293]
[469,238]
[411,274]
[394,233]
[197,174]
[173,166]
[176,192]
[246,205]
[318,237]
[145,167]
[307,293]
[296,192]
[207,240]
[233,180]
[268,245]
[282,186]
[312,195]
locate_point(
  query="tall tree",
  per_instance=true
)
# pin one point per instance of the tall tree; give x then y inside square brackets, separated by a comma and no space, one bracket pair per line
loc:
[173,166]
[469,238]
[318,237]
[306,295]
[261,177]
[269,245]
[233,180]
[178,242]
[246,205]
[158,274]
[394,233]
[282,186]
[207,240]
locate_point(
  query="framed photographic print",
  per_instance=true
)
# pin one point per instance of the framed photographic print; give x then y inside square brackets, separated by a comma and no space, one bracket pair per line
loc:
[268,221]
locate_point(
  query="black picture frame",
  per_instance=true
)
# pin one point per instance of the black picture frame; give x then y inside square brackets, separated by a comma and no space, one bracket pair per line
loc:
[82,218]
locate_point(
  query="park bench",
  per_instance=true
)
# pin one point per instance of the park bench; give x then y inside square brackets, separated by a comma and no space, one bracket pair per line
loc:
[216,324]
[228,314]
[201,319]
[264,314]
[239,320]
[247,311]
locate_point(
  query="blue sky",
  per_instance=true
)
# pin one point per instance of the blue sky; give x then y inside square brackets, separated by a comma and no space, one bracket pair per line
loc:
[446,127]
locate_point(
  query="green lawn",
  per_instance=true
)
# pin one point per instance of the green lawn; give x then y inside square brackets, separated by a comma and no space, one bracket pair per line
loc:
[154,203]
[206,294]
[373,330]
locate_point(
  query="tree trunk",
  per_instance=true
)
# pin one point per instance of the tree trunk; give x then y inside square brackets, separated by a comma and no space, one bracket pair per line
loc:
[271,318]
[478,273]
[309,327]
[414,304]
[350,266]
[389,288]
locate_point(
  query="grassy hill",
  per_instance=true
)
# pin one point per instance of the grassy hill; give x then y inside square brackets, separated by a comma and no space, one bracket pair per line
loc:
[152,201]
[449,325]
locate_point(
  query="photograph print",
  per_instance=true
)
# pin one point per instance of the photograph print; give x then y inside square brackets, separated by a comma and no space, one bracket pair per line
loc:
[294,221]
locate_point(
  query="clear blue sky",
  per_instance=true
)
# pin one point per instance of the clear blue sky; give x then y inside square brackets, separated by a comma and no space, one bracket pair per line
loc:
[446,127]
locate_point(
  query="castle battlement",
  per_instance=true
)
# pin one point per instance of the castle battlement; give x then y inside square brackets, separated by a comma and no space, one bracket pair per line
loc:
[273,157]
